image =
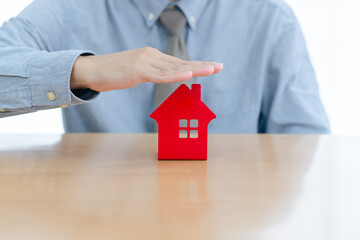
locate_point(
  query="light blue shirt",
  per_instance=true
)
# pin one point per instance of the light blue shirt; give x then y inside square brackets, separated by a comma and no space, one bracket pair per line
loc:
[268,84]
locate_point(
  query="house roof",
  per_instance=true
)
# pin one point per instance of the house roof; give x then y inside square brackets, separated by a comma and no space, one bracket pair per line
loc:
[184,101]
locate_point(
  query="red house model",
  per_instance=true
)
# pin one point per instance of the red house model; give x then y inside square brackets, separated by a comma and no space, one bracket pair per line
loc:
[183,125]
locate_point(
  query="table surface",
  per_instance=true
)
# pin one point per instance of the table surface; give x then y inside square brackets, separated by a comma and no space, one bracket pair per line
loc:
[111,186]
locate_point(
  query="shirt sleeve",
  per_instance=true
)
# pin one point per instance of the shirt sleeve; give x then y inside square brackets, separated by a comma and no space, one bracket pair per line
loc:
[291,101]
[35,67]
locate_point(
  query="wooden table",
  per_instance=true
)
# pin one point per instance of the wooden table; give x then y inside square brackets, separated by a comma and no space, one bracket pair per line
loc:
[111,186]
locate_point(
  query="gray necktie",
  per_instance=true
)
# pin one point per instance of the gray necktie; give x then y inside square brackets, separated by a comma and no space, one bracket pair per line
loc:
[174,21]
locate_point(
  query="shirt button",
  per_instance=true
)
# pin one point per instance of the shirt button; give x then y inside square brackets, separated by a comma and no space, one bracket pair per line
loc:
[51,96]
[192,19]
[64,106]
[151,16]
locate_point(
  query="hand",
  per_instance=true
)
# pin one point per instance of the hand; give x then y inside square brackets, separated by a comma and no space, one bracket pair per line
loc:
[130,68]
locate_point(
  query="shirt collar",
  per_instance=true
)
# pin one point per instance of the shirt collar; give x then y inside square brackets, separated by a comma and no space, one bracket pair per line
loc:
[152,9]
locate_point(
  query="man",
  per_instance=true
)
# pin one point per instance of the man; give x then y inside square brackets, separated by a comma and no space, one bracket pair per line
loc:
[268,85]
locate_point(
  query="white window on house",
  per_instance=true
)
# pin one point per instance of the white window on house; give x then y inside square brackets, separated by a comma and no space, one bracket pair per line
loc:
[187,130]
[194,123]
[183,134]
[183,123]
[194,134]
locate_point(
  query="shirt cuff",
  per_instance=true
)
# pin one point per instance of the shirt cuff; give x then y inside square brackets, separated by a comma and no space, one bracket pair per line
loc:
[49,81]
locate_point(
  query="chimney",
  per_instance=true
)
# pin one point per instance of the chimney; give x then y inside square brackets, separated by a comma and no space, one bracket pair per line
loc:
[196,90]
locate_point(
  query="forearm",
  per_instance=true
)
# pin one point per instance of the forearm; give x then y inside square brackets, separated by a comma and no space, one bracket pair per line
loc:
[31,76]
[32,80]
[79,73]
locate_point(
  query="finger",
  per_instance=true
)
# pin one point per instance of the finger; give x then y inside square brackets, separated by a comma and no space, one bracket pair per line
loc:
[161,76]
[202,70]
[218,67]
[199,68]
[170,62]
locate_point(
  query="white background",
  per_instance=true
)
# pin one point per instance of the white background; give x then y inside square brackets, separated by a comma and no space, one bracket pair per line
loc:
[332,31]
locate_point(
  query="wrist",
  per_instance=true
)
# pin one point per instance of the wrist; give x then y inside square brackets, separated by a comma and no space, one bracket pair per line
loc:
[80,73]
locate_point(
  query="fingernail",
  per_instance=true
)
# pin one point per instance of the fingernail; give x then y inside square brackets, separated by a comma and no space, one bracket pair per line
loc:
[218,65]
[208,67]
